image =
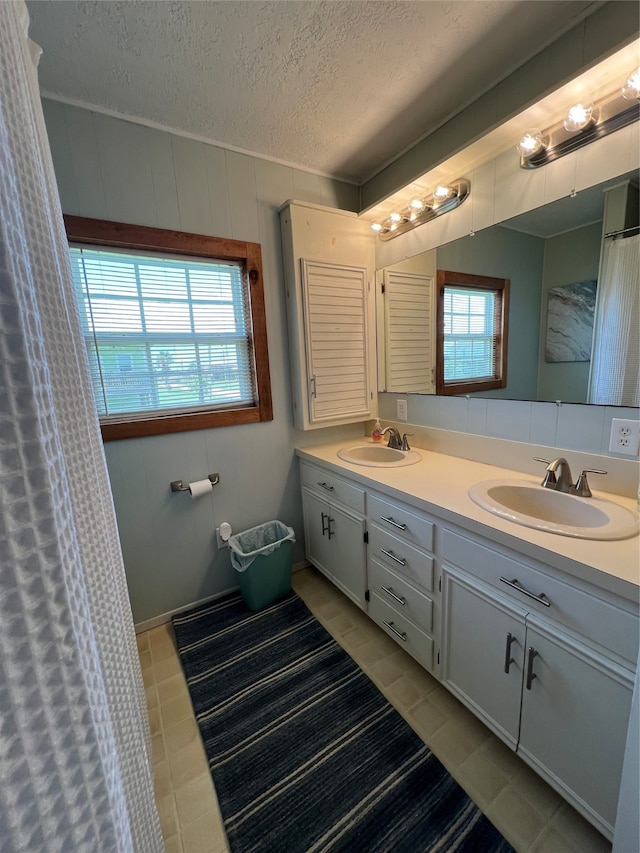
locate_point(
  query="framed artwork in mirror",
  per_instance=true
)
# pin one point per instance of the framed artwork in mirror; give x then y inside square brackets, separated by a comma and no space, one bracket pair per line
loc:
[570,313]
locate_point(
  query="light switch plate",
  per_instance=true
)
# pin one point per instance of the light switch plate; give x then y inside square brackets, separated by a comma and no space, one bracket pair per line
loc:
[625,435]
[401,410]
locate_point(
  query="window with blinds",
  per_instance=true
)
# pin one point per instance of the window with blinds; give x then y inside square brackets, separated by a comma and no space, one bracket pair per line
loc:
[166,335]
[469,334]
[472,330]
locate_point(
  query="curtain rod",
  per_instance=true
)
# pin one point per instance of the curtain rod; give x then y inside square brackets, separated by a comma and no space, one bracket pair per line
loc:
[621,231]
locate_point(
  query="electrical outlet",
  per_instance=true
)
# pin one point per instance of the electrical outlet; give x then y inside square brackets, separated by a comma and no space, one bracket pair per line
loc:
[625,436]
[401,410]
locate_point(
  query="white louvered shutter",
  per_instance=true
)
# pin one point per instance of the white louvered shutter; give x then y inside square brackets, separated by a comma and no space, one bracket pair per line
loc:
[335,299]
[409,332]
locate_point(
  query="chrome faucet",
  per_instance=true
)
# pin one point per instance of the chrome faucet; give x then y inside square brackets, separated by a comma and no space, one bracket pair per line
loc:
[394,438]
[562,483]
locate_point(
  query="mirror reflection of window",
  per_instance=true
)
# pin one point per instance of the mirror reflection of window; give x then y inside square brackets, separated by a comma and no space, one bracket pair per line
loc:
[472,321]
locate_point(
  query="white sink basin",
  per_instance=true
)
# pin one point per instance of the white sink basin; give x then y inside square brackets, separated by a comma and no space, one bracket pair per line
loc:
[378,456]
[555,512]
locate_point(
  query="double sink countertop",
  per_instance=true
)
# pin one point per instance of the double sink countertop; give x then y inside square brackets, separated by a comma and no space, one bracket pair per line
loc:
[439,485]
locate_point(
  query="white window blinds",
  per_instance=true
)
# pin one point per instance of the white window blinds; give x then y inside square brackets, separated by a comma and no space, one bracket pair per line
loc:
[163,334]
[469,334]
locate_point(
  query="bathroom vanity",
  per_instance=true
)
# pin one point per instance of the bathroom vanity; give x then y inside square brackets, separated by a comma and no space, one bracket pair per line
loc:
[536,633]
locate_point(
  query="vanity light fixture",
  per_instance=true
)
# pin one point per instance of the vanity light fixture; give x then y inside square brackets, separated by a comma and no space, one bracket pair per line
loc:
[584,123]
[631,88]
[441,200]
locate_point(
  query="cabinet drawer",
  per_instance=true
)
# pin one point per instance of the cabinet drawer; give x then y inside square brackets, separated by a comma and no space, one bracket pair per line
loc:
[400,557]
[332,486]
[412,639]
[581,611]
[404,598]
[402,522]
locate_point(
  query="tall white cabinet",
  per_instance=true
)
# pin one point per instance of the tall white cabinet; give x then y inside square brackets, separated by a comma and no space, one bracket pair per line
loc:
[329,268]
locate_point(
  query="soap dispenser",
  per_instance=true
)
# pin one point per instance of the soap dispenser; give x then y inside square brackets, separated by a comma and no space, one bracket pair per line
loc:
[376,435]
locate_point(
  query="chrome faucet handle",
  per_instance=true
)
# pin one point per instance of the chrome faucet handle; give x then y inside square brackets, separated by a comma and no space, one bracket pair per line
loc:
[405,443]
[549,481]
[581,487]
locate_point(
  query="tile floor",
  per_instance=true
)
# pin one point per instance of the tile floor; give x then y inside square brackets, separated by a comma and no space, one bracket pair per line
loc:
[532,817]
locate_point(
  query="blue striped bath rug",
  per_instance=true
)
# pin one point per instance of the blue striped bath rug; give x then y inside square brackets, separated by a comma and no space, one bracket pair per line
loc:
[305,752]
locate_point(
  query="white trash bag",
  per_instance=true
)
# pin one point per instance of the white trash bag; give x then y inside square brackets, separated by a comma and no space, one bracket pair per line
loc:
[257,542]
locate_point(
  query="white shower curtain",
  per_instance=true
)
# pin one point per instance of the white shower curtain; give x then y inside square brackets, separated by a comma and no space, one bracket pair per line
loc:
[615,360]
[74,741]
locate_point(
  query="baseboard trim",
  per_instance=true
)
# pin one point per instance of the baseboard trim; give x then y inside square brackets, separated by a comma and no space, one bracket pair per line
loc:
[163,618]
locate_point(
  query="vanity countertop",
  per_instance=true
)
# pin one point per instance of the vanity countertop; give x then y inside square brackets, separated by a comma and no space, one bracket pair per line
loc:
[439,484]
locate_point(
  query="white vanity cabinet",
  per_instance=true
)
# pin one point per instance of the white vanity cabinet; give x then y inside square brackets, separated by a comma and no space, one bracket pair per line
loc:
[400,568]
[334,529]
[546,665]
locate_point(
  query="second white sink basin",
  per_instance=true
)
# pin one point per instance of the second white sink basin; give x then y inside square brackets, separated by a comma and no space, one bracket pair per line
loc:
[378,456]
[528,504]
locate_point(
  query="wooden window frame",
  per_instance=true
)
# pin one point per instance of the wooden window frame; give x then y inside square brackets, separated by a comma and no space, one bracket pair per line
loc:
[100,232]
[500,286]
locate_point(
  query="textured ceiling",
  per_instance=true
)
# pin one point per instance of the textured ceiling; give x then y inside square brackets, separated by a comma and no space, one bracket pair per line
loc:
[336,87]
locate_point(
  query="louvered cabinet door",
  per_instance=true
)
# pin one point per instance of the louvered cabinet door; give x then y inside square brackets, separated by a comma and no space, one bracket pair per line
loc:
[409,332]
[335,315]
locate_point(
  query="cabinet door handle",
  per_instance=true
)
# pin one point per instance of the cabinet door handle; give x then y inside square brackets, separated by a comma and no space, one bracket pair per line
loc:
[533,654]
[508,660]
[390,592]
[312,386]
[541,599]
[325,529]
[393,557]
[390,520]
[391,627]
[325,486]
[330,521]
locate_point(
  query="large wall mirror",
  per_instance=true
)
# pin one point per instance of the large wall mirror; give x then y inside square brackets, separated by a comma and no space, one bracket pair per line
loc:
[553,257]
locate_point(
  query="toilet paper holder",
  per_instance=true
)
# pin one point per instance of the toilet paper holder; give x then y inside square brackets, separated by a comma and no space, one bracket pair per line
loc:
[178,485]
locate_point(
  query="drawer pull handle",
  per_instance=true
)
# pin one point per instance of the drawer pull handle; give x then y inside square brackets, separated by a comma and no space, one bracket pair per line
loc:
[393,557]
[400,634]
[533,654]
[508,660]
[325,486]
[541,599]
[390,520]
[395,597]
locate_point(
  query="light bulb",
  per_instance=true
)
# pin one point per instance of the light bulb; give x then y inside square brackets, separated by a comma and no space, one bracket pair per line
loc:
[395,217]
[417,204]
[578,117]
[631,88]
[441,193]
[530,143]
[376,226]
